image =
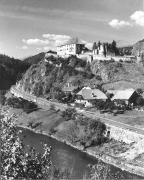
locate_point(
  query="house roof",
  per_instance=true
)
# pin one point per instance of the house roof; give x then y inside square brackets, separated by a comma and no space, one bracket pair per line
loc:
[71,79]
[123,94]
[89,93]
[69,89]
[71,41]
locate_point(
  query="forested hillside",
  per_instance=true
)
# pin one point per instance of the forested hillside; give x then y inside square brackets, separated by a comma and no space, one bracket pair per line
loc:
[34,59]
[10,71]
[117,75]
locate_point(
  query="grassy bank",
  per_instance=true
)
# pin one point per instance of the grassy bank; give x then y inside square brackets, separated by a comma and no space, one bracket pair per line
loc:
[52,123]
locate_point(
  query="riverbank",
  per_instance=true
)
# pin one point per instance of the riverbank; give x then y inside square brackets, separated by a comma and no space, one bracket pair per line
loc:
[96,153]
[105,158]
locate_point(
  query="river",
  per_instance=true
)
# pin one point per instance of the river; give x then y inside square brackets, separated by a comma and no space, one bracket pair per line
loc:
[66,157]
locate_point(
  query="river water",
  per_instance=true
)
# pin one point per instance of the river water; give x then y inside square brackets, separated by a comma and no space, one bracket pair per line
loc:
[66,157]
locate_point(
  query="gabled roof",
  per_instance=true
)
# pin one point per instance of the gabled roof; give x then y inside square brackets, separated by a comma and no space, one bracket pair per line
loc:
[71,41]
[88,93]
[69,89]
[123,94]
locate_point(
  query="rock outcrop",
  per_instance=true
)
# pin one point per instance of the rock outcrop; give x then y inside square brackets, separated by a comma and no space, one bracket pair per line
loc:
[138,48]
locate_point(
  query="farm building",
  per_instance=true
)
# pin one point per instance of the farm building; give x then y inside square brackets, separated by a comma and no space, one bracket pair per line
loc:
[87,95]
[127,96]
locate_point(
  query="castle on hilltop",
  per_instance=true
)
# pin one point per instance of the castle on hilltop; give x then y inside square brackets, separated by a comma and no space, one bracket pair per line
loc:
[105,49]
[73,47]
[101,51]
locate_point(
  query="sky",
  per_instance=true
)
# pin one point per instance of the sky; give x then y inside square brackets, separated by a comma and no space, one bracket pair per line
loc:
[28,27]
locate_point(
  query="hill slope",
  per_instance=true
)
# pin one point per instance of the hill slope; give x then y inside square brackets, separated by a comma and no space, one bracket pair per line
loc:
[10,71]
[34,59]
[47,78]
[138,48]
[116,75]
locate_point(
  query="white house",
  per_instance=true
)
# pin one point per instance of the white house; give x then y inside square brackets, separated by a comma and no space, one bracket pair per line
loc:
[87,95]
[70,49]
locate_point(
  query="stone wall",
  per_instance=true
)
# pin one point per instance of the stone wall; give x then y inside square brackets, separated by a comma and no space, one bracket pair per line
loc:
[124,135]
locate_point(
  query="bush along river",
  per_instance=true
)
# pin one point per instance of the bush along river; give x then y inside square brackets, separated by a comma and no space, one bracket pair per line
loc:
[65,157]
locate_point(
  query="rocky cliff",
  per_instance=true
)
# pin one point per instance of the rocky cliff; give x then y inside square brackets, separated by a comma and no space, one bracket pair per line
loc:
[138,48]
[49,76]
[116,75]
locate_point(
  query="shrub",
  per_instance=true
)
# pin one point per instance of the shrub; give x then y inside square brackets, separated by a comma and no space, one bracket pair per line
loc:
[17,164]
[94,131]
[14,102]
[121,60]
[69,114]
[27,106]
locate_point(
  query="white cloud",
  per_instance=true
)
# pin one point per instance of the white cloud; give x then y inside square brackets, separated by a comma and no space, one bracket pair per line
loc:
[35,41]
[89,45]
[138,17]
[47,48]
[24,47]
[39,49]
[57,39]
[49,41]
[115,23]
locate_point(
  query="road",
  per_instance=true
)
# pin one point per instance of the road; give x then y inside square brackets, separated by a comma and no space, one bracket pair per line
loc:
[61,106]
[113,122]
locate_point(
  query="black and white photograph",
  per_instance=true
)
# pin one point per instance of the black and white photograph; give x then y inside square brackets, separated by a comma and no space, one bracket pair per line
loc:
[72,89]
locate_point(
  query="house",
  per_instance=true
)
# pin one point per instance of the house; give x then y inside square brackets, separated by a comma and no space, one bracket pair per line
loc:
[127,96]
[70,86]
[88,95]
[86,55]
[69,90]
[70,49]
[50,53]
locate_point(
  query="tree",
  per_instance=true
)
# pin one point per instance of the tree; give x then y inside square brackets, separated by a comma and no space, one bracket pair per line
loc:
[114,44]
[69,114]
[17,164]
[139,91]
[94,46]
[99,44]
[102,171]
[104,50]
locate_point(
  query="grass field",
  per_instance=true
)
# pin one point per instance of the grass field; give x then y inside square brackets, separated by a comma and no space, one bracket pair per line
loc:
[41,119]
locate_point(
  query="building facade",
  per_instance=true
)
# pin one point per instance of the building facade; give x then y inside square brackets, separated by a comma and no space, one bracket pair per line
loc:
[70,49]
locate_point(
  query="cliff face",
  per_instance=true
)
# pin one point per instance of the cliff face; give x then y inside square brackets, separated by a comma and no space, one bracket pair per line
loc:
[50,75]
[138,48]
[116,71]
